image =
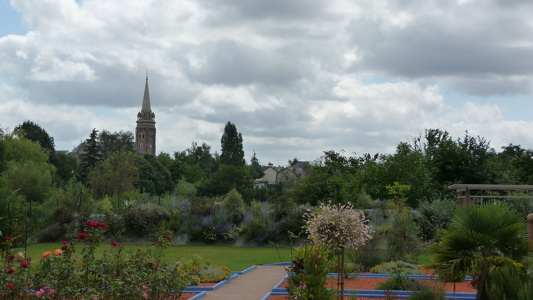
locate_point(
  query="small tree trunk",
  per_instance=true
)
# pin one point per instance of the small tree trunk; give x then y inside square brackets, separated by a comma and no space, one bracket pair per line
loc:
[341,283]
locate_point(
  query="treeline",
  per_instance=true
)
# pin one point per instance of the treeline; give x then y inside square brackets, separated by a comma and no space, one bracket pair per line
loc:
[212,196]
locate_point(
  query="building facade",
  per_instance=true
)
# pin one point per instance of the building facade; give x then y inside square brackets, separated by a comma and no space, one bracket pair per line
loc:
[145,133]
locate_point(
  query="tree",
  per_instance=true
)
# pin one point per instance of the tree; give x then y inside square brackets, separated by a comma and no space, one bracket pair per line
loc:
[116,175]
[154,178]
[480,240]
[115,142]
[338,226]
[92,157]
[256,171]
[34,132]
[232,152]
[228,177]
[33,179]
[66,167]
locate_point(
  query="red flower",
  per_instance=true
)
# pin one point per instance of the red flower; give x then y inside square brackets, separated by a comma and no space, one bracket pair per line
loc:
[24,265]
[64,247]
[81,236]
[90,240]
[11,286]
[90,224]
[10,271]
[8,238]
[101,225]
[114,244]
[64,242]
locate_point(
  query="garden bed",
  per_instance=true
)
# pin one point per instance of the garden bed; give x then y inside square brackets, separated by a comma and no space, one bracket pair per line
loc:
[370,283]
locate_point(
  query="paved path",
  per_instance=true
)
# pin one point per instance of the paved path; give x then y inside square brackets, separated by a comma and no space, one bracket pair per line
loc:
[253,285]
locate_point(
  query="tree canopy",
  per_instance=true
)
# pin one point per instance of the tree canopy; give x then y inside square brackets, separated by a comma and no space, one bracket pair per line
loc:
[232,152]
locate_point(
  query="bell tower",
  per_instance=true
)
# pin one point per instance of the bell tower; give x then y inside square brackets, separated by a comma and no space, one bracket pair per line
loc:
[145,130]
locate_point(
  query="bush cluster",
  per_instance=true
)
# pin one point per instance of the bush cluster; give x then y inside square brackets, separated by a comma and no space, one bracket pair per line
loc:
[63,274]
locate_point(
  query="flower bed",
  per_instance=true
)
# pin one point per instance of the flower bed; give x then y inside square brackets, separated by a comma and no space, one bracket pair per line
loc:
[362,282]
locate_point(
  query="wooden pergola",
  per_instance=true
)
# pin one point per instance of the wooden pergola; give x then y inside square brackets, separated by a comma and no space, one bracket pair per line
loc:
[465,197]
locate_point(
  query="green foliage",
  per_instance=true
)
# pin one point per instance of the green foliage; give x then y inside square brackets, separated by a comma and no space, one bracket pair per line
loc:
[92,156]
[435,216]
[478,240]
[256,171]
[309,273]
[369,254]
[232,152]
[210,272]
[125,275]
[400,282]
[398,193]
[114,176]
[511,283]
[395,267]
[227,178]
[403,240]
[33,179]
[143,220]
[233,205]
[111,143]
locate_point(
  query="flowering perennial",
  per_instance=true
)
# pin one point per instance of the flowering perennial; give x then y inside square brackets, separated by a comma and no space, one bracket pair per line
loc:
[337,225]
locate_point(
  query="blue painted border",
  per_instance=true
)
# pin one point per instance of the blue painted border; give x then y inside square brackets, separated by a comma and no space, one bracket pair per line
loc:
[210,288]
[383,293]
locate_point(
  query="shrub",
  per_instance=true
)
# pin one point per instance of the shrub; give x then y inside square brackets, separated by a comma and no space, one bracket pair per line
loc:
[403,241]
[394,267]
[511,283]
[210,272]
[309,273]
[435,216]
[369,254]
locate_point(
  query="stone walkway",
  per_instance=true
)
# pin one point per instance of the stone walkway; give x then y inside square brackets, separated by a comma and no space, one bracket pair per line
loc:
[253,285]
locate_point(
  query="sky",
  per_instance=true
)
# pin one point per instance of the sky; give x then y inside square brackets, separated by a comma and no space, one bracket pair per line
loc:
[296,77]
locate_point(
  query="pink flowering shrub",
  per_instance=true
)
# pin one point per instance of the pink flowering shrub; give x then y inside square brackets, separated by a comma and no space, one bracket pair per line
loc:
[337,225]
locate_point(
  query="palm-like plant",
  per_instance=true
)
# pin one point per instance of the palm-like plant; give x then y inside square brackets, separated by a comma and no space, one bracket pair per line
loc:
[479,240]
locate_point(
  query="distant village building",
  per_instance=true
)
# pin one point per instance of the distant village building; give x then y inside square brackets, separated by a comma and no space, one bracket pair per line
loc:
[288,177]
[145,133]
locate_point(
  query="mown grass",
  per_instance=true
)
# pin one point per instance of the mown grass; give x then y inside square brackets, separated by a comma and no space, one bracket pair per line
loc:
[235,258]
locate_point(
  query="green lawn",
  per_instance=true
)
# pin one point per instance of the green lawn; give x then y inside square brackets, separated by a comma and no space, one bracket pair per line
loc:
[235,258]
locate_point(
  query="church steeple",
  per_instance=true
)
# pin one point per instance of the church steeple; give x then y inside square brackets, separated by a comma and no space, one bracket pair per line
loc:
[145,131]
[146,99]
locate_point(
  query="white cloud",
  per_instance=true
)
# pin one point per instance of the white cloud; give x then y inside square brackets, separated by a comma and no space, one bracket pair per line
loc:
[296,77]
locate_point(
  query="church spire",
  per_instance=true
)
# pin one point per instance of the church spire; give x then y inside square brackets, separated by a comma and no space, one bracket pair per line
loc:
[146,108]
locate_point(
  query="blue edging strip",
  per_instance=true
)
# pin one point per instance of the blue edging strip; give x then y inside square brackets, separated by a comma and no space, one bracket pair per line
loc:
[383,294]
[200,295]
[245,270]
[210,288]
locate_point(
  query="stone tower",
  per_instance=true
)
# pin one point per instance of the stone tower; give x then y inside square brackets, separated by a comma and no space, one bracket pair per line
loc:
[145,131]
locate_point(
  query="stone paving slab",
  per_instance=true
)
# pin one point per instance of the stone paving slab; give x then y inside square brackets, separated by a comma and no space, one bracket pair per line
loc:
[253,285]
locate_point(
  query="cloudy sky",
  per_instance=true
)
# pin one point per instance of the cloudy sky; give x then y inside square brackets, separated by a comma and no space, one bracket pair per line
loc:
[296,77]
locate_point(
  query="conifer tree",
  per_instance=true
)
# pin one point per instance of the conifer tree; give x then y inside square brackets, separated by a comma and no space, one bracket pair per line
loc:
[231,142]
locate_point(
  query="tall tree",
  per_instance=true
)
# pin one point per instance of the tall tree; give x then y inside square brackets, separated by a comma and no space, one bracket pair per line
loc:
[92,155]
[232,152]
[256,171]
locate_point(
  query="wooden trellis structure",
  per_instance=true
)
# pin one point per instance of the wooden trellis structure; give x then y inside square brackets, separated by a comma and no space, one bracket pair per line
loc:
[465,197]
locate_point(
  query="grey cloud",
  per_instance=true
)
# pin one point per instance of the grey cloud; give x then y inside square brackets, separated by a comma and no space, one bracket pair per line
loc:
[227,62]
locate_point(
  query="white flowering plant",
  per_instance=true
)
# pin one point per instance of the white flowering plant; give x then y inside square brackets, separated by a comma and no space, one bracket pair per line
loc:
[337,225]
